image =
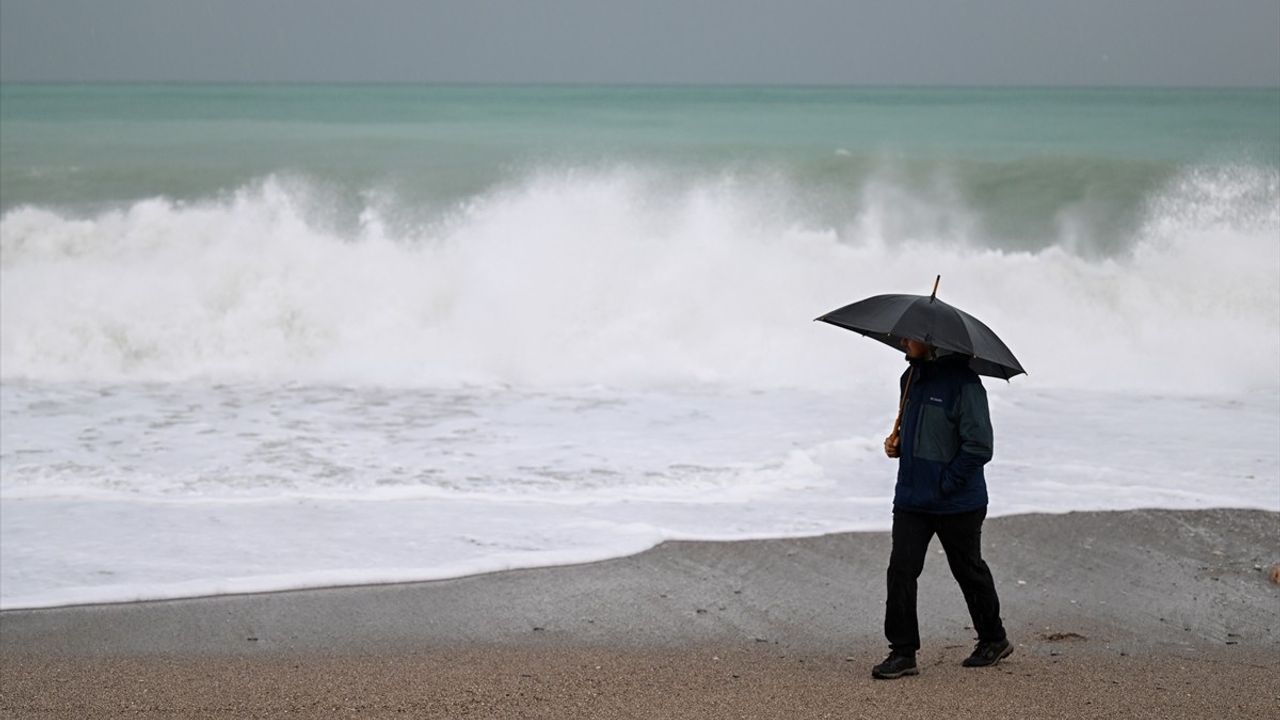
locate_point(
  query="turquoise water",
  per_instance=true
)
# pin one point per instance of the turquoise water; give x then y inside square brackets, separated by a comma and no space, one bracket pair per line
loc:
[1017,159]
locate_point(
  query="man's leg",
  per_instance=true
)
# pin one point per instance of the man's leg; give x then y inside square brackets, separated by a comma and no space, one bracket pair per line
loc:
[961,537]
[911,535]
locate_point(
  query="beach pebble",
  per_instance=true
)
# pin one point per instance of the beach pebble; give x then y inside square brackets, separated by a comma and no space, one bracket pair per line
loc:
[1275,573]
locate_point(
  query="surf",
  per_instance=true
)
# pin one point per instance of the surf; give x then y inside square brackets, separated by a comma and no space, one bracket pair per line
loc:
[622,278]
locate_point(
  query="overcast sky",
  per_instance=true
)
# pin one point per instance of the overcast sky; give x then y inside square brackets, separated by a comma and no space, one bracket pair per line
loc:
[934,42]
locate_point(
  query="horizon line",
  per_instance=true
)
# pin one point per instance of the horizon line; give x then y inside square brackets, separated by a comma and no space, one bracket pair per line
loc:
[650,84]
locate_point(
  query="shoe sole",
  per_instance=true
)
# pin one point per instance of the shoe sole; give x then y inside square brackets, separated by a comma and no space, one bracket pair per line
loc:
[894,676]
[1007,652]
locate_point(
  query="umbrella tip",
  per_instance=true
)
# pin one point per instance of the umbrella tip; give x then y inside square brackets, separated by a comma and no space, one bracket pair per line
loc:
[934,295]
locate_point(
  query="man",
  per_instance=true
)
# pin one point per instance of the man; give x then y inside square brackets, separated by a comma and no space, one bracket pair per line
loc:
[944,440]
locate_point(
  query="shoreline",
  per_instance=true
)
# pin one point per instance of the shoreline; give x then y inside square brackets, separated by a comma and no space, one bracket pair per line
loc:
[322,587]
[1152,613]
[1111,563]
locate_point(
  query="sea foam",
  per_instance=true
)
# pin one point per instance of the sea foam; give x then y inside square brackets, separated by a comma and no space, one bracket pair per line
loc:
[618,278]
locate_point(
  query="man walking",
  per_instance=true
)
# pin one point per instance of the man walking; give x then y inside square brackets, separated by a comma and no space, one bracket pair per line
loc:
[943,441]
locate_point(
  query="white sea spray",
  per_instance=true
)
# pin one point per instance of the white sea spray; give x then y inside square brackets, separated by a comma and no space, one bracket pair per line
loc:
[602,279]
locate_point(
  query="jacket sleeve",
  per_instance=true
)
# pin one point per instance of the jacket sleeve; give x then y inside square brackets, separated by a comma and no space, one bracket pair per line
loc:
[973,422]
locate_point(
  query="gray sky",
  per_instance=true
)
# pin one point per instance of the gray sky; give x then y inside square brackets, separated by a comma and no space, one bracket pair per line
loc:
[936,42]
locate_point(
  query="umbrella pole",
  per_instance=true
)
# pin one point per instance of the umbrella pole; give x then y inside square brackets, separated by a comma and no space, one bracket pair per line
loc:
[902,404]
[934,295]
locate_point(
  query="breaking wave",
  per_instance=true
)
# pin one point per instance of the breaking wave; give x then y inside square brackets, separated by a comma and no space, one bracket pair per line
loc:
[627,277]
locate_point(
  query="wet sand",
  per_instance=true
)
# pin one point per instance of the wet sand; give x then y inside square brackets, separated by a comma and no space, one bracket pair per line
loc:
[1127,614]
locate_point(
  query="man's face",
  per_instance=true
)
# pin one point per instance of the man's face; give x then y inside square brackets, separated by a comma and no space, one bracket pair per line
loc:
[916,350]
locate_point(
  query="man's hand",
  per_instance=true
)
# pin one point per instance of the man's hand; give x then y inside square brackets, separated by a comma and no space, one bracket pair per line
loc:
[891,446]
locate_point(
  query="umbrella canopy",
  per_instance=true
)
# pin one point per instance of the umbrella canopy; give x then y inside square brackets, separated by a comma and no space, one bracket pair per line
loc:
[890,318]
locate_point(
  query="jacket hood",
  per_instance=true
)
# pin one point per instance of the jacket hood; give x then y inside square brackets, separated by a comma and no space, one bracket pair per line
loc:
[942,358]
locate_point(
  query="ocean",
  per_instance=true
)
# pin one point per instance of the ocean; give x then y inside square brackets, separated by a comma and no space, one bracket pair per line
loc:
[268,337]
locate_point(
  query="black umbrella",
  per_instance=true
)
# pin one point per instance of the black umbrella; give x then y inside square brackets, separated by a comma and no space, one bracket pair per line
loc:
[890,318]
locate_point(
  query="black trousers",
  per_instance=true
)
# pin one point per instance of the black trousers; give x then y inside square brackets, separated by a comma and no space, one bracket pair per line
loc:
[961,536]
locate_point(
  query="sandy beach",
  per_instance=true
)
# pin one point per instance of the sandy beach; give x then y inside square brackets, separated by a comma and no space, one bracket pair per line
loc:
[1114,614]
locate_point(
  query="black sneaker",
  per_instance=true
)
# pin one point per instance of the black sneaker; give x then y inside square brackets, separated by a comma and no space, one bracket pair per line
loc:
[988,653]
[895,666]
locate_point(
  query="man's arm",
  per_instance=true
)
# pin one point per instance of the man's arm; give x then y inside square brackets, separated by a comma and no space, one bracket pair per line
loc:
[976,437]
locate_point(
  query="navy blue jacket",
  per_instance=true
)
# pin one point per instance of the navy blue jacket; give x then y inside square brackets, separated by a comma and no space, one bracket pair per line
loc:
[945,439]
